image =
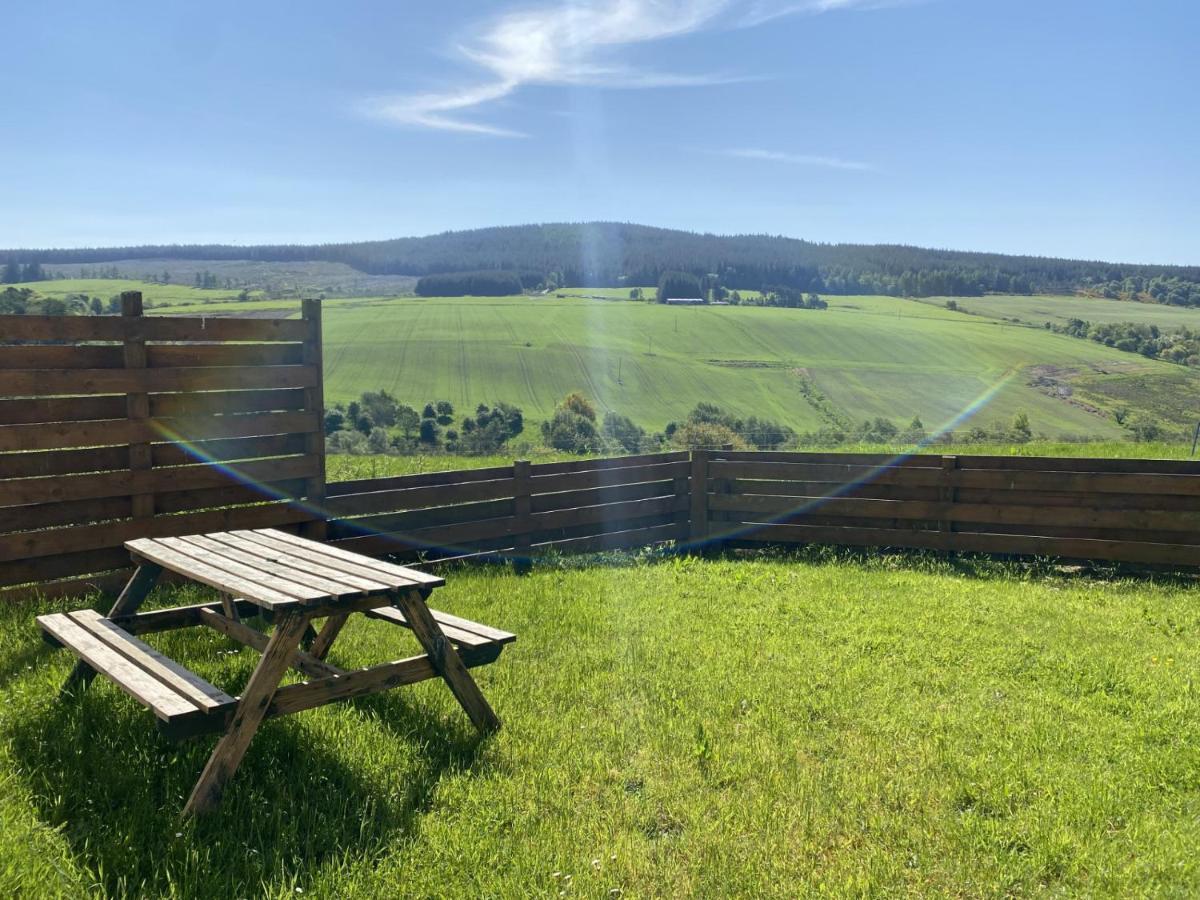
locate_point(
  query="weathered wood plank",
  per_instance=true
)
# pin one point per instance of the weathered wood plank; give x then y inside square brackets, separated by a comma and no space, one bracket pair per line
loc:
[594,478]
[307,663]
[52,382]
[171,558]
[293,565]
[90,486]
[145,657]
[251,708]
[133,680]
[402,574]
[417,497]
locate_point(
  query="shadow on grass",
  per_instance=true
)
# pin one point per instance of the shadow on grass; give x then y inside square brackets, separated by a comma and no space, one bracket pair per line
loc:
[99,770]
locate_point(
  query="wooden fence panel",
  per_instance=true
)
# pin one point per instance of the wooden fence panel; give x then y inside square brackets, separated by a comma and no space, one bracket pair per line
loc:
[116,427]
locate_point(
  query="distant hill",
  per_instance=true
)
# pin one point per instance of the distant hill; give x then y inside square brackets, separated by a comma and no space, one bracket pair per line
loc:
[611,254]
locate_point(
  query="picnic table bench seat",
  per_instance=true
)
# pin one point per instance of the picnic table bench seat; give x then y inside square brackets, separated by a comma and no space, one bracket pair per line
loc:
[291,581]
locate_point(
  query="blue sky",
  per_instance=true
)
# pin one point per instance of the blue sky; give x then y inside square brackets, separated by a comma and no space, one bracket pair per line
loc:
[1058,127]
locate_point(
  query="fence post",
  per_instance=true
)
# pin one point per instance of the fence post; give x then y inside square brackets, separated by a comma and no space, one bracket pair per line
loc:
[948,496]
[699,511]
[522,516]
[683,500]
[137,403]
[314,441]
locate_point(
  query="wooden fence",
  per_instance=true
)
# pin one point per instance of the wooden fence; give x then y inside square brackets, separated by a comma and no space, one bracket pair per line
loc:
[116,427]
[1119,510]
[518,510]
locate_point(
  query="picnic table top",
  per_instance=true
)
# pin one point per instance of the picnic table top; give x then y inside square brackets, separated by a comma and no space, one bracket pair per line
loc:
[276,570]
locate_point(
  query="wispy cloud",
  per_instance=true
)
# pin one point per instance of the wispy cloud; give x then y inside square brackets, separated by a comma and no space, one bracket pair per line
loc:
[799,159]
[579,44]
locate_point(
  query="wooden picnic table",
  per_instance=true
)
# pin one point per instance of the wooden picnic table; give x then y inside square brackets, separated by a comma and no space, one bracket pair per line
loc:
[292,581]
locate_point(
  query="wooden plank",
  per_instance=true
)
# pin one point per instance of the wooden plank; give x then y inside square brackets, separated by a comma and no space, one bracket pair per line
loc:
[64,435]
[295,698]
[50,382]
[217,328]
[141,654]
[30,546]
[50,515]
[176,617]
[425,479]
[224,561]
[418,497]
[291,564]
[26,570]
[609,512]
[445,659]
[137,406]
[927,460]
[234,556]
[209,403]
[251,708]
[197,570]
[63,328]
[30,411]
[571,481]
[618,462]
[419,518]
[310,665]
[701,465]
[161,356]
[234,495]
[358,566]
[15,492]
[109,584]
[33,464]
[314,401]
[134,681]
[1020,545]
[401,574]
[522,514]
[608,494]
[1080,516]
[75,356]
[967,478]
[645,536]
[459,636]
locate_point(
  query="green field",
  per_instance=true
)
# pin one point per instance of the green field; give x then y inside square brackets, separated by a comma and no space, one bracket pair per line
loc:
[863,357]
[786,728]
[1039,310]
[158,294]
[866,356]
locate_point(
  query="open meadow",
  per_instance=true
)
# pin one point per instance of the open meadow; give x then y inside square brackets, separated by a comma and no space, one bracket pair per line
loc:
[817,725]
[863,357]
[1038,310]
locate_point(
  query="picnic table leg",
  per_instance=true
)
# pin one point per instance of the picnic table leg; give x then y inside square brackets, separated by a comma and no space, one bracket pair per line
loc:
[251,708]
[445,659]
[137,589]
[328,634]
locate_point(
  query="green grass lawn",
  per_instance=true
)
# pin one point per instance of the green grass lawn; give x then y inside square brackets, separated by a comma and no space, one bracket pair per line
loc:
[679,727]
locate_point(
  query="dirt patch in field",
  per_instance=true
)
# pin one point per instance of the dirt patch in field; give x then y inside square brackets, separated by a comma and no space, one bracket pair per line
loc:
[1054,381]
[747,363]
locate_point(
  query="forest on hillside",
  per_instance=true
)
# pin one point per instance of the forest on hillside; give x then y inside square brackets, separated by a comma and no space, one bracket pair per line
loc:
[613,254]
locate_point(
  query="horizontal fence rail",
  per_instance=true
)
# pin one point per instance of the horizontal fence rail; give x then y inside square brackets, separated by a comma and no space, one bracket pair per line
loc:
[1112,510]
[119,427]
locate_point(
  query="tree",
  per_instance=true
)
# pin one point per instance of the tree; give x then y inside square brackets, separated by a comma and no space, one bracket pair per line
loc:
[445,412]
[573,426]
[429,412]
[381,406]
[335,420]
[678,285]
[621,431]
[1020,427]
[96,306]
[12,272]
[429,432]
